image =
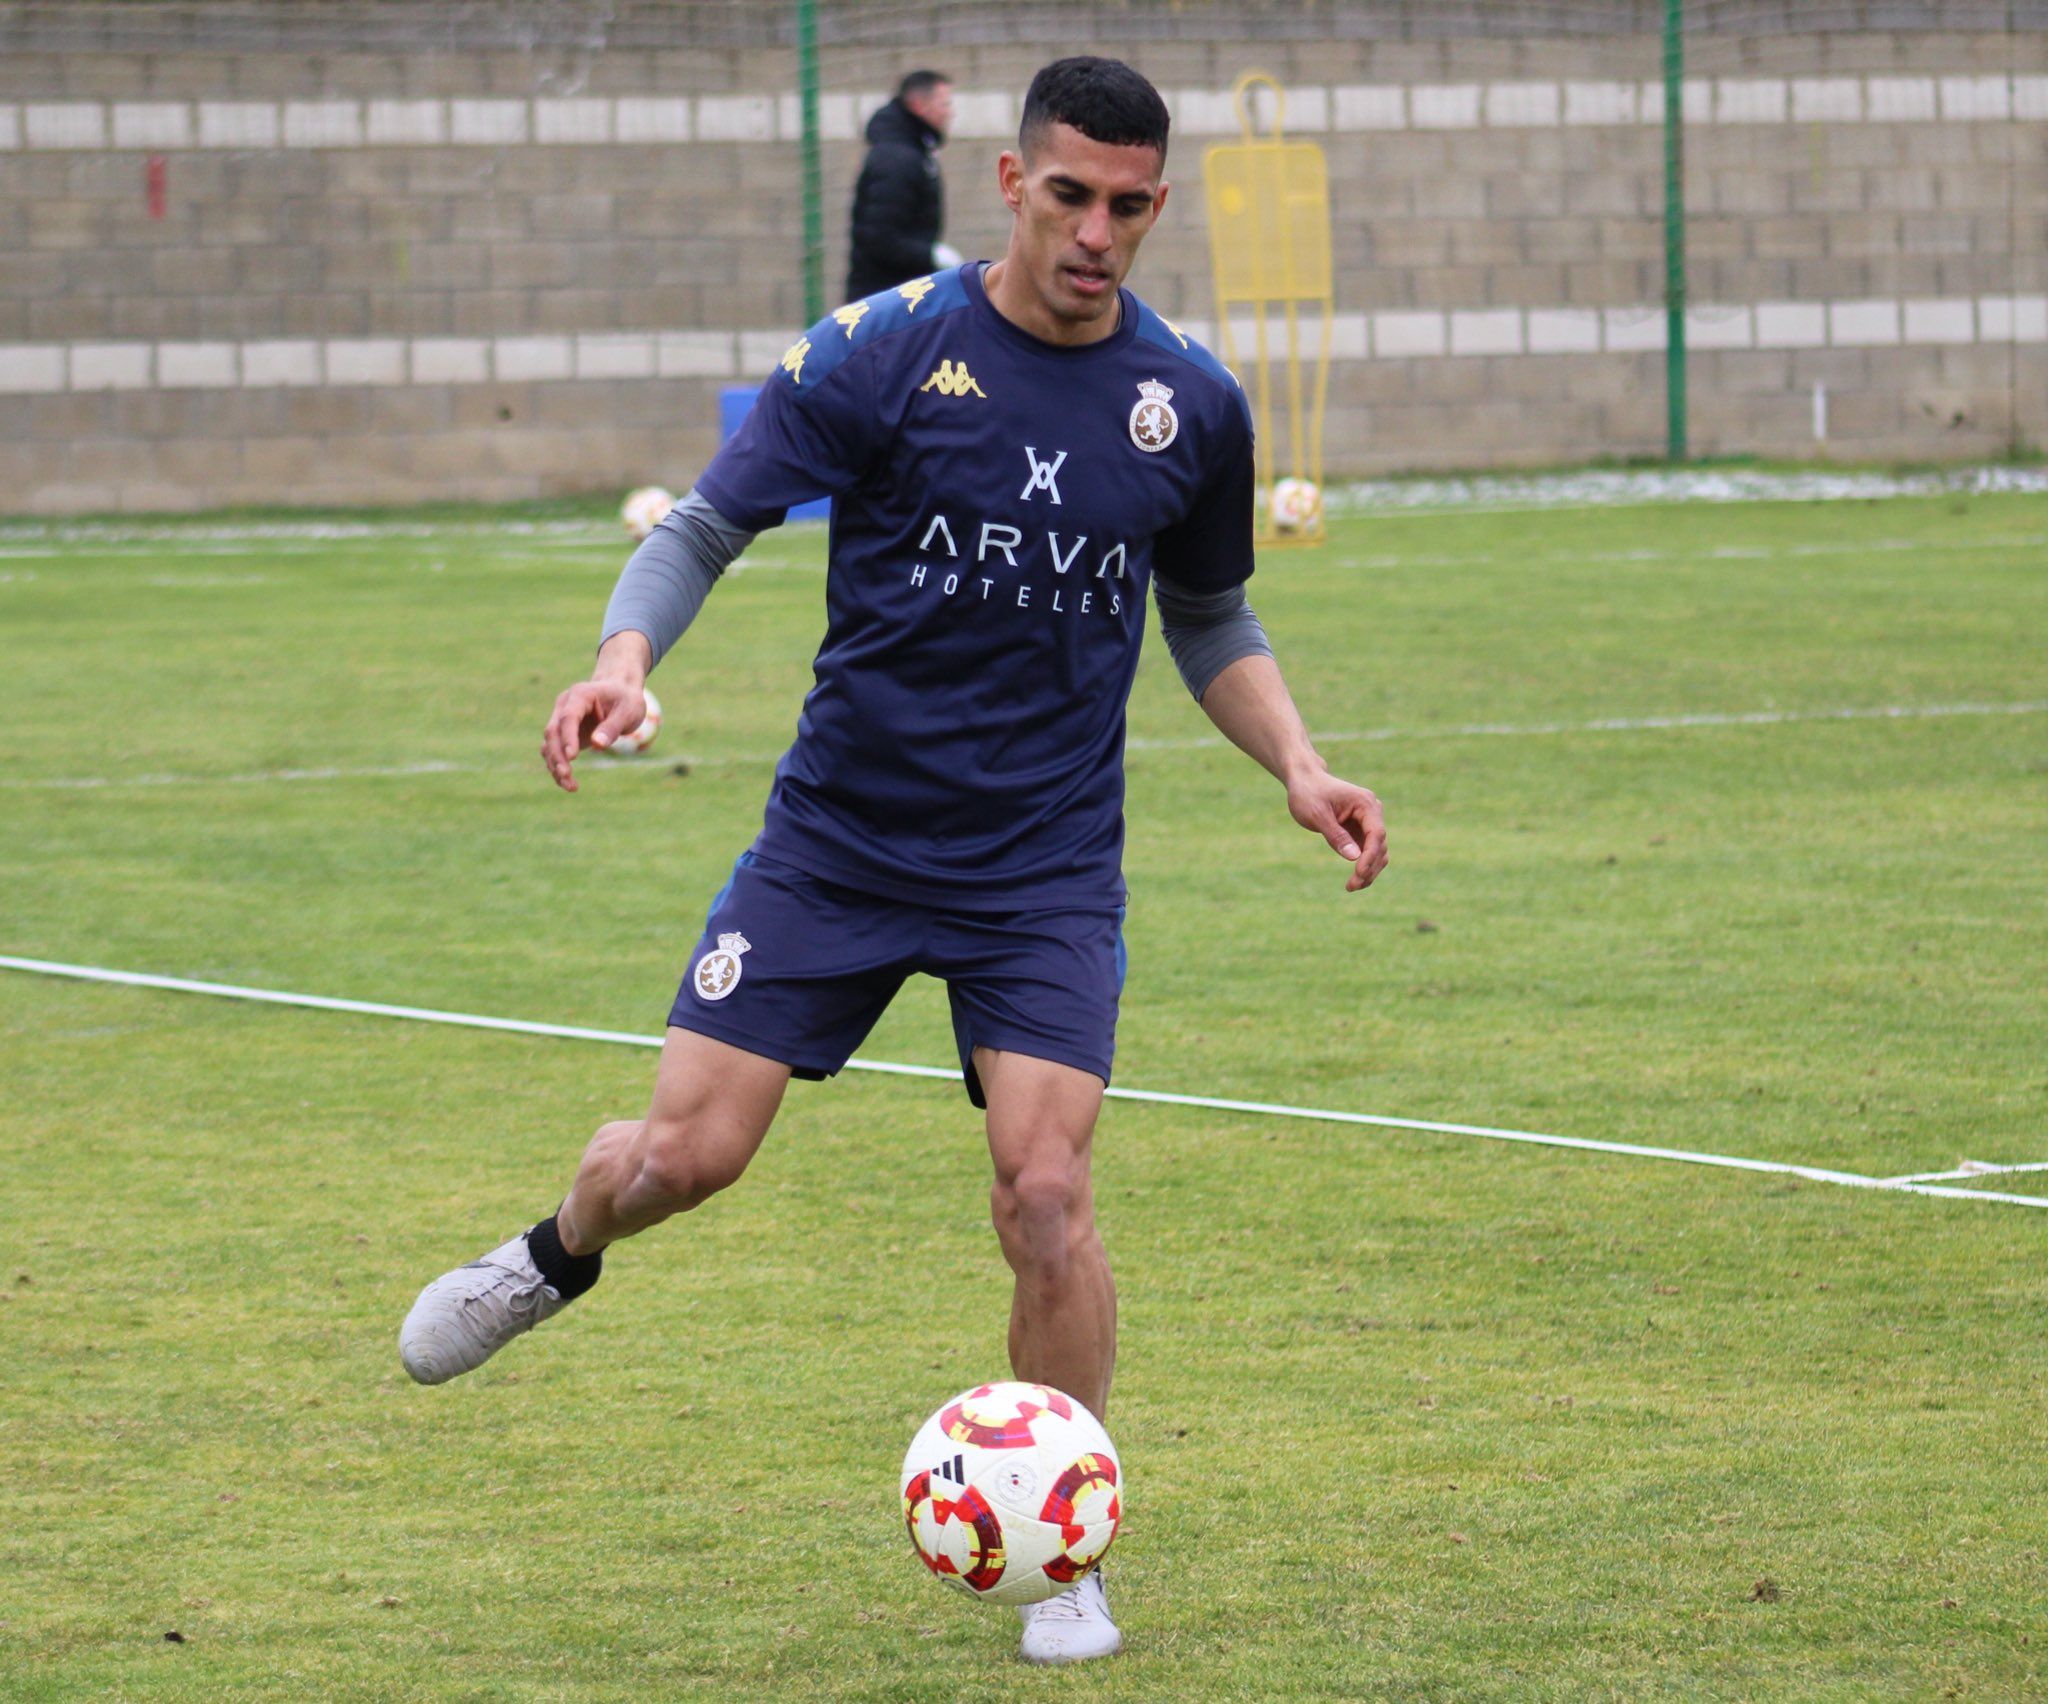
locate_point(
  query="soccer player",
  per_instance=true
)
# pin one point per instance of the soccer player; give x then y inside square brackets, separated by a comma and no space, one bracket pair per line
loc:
[1014,451]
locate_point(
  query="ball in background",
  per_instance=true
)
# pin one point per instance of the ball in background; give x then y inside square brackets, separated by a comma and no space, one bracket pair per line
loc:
[644,509]
[1012,1492]
[628,745]
[1297,505]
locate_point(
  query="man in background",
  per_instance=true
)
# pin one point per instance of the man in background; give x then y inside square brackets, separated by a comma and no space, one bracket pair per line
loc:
[899,205]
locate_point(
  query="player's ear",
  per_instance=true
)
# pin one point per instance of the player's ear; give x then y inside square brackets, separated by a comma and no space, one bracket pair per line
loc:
[1159,200]
[1010,179]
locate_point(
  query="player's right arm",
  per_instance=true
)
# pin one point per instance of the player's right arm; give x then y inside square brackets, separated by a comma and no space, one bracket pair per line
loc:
[597,711]
[811,433]
[660,590]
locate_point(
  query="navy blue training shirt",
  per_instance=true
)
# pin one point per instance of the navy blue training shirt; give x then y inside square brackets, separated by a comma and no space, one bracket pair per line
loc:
[1001,504]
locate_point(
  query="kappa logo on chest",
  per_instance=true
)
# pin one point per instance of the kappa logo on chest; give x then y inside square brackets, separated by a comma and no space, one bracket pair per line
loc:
[951,378]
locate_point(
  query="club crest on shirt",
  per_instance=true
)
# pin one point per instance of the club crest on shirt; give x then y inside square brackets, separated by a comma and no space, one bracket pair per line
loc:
[717,973]
[1154,425]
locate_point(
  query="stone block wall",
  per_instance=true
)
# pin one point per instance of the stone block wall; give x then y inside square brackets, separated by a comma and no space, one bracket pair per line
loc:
[379,250]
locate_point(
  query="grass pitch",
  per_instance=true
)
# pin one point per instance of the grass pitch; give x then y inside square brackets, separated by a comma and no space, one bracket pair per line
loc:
[1405,1416]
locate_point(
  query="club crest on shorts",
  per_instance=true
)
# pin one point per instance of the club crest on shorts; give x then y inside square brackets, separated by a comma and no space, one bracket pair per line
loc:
[718,971]
[1154,424]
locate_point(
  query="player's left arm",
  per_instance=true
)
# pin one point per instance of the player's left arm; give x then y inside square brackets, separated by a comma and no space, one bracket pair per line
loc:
[1200,565]
[1249,701]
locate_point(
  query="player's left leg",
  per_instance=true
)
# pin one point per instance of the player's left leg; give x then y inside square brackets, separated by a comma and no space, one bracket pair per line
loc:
[1041,1128]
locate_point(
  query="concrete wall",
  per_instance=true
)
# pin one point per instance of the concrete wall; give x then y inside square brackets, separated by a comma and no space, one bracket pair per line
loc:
[367,250]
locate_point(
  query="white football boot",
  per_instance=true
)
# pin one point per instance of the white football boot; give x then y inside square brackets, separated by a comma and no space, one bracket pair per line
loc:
[465,1317]
[1072,1627]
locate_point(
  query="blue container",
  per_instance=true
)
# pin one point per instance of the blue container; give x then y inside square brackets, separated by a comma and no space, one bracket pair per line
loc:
[733,403]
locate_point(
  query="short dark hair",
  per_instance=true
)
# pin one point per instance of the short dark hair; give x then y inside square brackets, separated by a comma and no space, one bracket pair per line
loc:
[1104,99]
[920,83]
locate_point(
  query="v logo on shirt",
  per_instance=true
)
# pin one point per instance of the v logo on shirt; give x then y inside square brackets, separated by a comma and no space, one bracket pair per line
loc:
[1042,474]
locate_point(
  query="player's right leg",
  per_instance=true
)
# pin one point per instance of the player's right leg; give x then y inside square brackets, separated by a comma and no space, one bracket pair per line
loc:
[790,975]
[712,1106]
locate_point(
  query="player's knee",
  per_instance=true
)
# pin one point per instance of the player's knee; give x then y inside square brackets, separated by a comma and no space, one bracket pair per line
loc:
[1041,1214]
[614,1138]
[678,1169]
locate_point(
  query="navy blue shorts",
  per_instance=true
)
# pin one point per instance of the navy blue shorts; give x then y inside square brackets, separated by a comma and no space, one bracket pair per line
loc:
[797,969]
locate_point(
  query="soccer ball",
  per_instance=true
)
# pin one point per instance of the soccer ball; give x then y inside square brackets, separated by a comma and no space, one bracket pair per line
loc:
[1012,1492]
[627,745]
[643,510]
[1296,505]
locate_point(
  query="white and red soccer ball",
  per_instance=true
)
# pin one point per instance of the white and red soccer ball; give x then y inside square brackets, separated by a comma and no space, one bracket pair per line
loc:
[1296,505]
[645,509]
[630,744]
[1012,1492]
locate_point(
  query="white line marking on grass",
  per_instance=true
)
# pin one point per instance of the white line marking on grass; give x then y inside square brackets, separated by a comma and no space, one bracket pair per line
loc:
[1498,493]
[86,783]
[1267,1109]
[1634,724]
[665,764]
[323,532]
[570,531]
[1969,1168]
[112,551]
[1607,489]
[1646,555]
[588,766]
[145,554]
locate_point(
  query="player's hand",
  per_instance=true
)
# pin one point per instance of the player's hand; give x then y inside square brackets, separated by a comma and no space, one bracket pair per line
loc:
[1348,817]
[591,713]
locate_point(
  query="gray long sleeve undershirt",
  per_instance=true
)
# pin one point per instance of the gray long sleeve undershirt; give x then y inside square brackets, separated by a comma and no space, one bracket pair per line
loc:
[665,582]
[1207,631]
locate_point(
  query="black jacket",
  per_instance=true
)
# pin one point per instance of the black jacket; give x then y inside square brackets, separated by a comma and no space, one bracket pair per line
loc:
[898,204]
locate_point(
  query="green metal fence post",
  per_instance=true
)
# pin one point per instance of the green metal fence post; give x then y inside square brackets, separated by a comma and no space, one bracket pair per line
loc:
[1674,229]
[814,165]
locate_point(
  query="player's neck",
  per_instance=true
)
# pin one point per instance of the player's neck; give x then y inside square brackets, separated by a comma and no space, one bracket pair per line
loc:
[1011,295]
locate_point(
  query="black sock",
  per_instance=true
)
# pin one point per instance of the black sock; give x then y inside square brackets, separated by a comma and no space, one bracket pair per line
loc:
[571,1274]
